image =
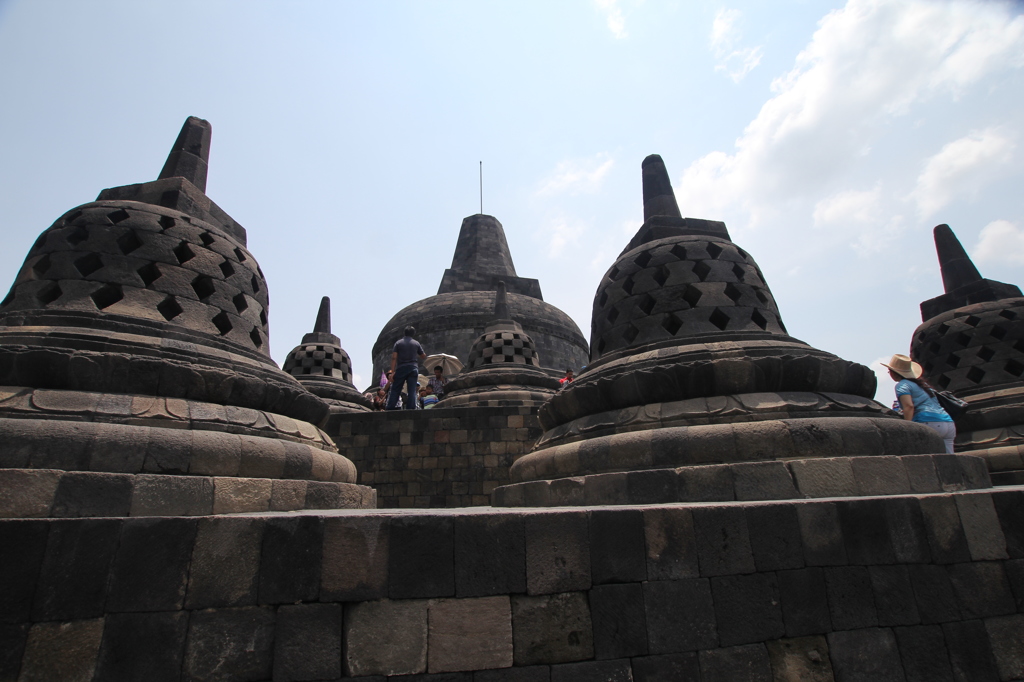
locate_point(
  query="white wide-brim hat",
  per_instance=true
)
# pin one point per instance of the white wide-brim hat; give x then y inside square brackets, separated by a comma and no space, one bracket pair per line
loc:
[904,366]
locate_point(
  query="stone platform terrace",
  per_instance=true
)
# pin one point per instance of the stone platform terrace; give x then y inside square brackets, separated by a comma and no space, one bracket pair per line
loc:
[908,587]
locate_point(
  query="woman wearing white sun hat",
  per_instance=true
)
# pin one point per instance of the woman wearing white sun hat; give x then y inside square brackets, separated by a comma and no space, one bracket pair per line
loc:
[917,398]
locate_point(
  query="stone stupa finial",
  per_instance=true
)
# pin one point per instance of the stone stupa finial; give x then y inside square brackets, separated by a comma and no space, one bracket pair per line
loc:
[501,303]
[323,316]
[190,155]
[659,199]
[957,268]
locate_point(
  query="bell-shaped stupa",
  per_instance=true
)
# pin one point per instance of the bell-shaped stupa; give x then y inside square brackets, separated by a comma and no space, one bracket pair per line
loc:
[135,366]
[691,365]
[972,343]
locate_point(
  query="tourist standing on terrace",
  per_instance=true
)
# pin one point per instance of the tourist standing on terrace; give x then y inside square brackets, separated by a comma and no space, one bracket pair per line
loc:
[405,364]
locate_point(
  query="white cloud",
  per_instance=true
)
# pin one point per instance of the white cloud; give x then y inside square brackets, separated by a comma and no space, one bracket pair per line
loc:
[562,231]
[725,37]
[613,17]
[962,166]
[860,215]
[577,176]
[1000,242]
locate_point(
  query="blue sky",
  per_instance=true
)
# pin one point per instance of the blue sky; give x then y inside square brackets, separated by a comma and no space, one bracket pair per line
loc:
[830,137]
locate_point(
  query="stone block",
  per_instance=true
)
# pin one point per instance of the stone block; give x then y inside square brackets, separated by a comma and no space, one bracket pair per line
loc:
[355,558]
[236,643]
[168,452]
[970,652]
[775,537]
[552,628]
[592,671]
[290,559]
[1009,507]
[27,493]
[469,634]
[92,494]
[62,651]
[951,474]
[150,569]
[924,655]
[566,492]
[1007,637]
[880,475]
[307,642]
[851,602]
[157,495]
[907,534]
[894,595]
[617,552]
[747,608]
[723,542]
[143,646]
[936,601]
[655,486]
[605,489]
[680,615]
[804,659]
[985,538]
[707,483]
[749,663]
[19,576]
[1014,573]
[869,654]
[821,534]
[490,555]
[261,458]
[946,537]
[921,473]
[763,481]
[288,495]
[620,626]
[215,453]
[239,495]
[73,578]
[12,649]
[982,589]
[804,601]
[865,532]
[832,477]
[682,667]
[671,544]
[225,563]
[557,552]
[421,557]
[533,673]
[385,638]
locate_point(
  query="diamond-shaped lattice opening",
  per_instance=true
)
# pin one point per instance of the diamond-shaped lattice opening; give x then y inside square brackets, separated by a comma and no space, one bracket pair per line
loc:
[255,284]
[627,284]
[743,254]
[203,286]
[1007,314]
[692,296]
[942,329]
[602,299]
[128,242]
[986,353]
[719,319]
[77,236]
[88,264]
[714,250]
[972,320]
[643,259]
[166,222]
[601,346]
[41,265]
[997,332]
[934,347]
[952,360]
[1014,368]
[206,238]
[48,294]
[761,296]
[757,318]
[733,292]
[226,268]
[149,273]
[962,339]
[72,218]
[613,315]
[263,317]
[613,273]
[240,303]
[107,295]
[183,252]
[975,374]
[672,324]
[40,241]
[630,334]
[738,270]
[257,341]
[118,215]
[702,270]
[646,304]
[222,323]
[240,255]
[679,251]
[928,367]
[944,382]
[661,276]
[169,308]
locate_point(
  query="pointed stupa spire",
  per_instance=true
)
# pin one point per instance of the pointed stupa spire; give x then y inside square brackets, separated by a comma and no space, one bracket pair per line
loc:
[323,317]
[190,155]
[501,303]
[482,247]
[659,199]
[957,268]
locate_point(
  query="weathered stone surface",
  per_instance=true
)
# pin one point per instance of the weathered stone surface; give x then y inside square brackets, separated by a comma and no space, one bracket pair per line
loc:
[225,563]
[617,546]
[421,557]
[850,598]
[355,559]
[1007,636]
[236,495]
[763,481]
[907,533]
[490,555]
[533,673]
[620,626]
[894,595]
[869,654]
[831,477]
[723,542]
[12,649]
[821,534]
[62,651]
[143,646]
[775,537]
[936,601]
[26,493]
[236,643]
[981,589]
[865,532]
[385,638]
[680,615]
[557,552]
[469,634]
[748,662]
[592,671]
[288,495]
[985,538]
[150,570]
[670,543]
[804,602]
[28,540]
[93,494]
[946,536]
[307,642]
[747,608]
[804,659]
[172,496]
[970,651]
[552,628]
[683,667]
[880,475]
[290,560]
[73,578]
[924,655]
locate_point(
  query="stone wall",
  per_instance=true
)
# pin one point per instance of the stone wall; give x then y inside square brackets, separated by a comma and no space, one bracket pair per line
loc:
[924,587]
[442,457]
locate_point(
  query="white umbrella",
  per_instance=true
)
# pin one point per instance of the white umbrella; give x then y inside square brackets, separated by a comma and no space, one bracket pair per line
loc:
[449,364]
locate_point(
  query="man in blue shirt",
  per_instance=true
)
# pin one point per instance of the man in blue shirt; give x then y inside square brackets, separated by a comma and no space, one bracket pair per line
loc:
[405,364]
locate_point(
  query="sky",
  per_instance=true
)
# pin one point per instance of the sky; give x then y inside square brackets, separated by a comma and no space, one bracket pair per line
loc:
[347,136]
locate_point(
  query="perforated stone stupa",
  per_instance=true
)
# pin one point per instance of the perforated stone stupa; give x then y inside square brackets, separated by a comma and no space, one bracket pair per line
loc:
[135,375]
[971,342]
[691,365]
[452,321]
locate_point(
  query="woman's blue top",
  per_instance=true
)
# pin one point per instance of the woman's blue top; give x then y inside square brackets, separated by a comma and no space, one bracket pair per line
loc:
[926,407]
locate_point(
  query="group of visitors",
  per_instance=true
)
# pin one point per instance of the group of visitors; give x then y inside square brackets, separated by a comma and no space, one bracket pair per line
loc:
[402,380]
